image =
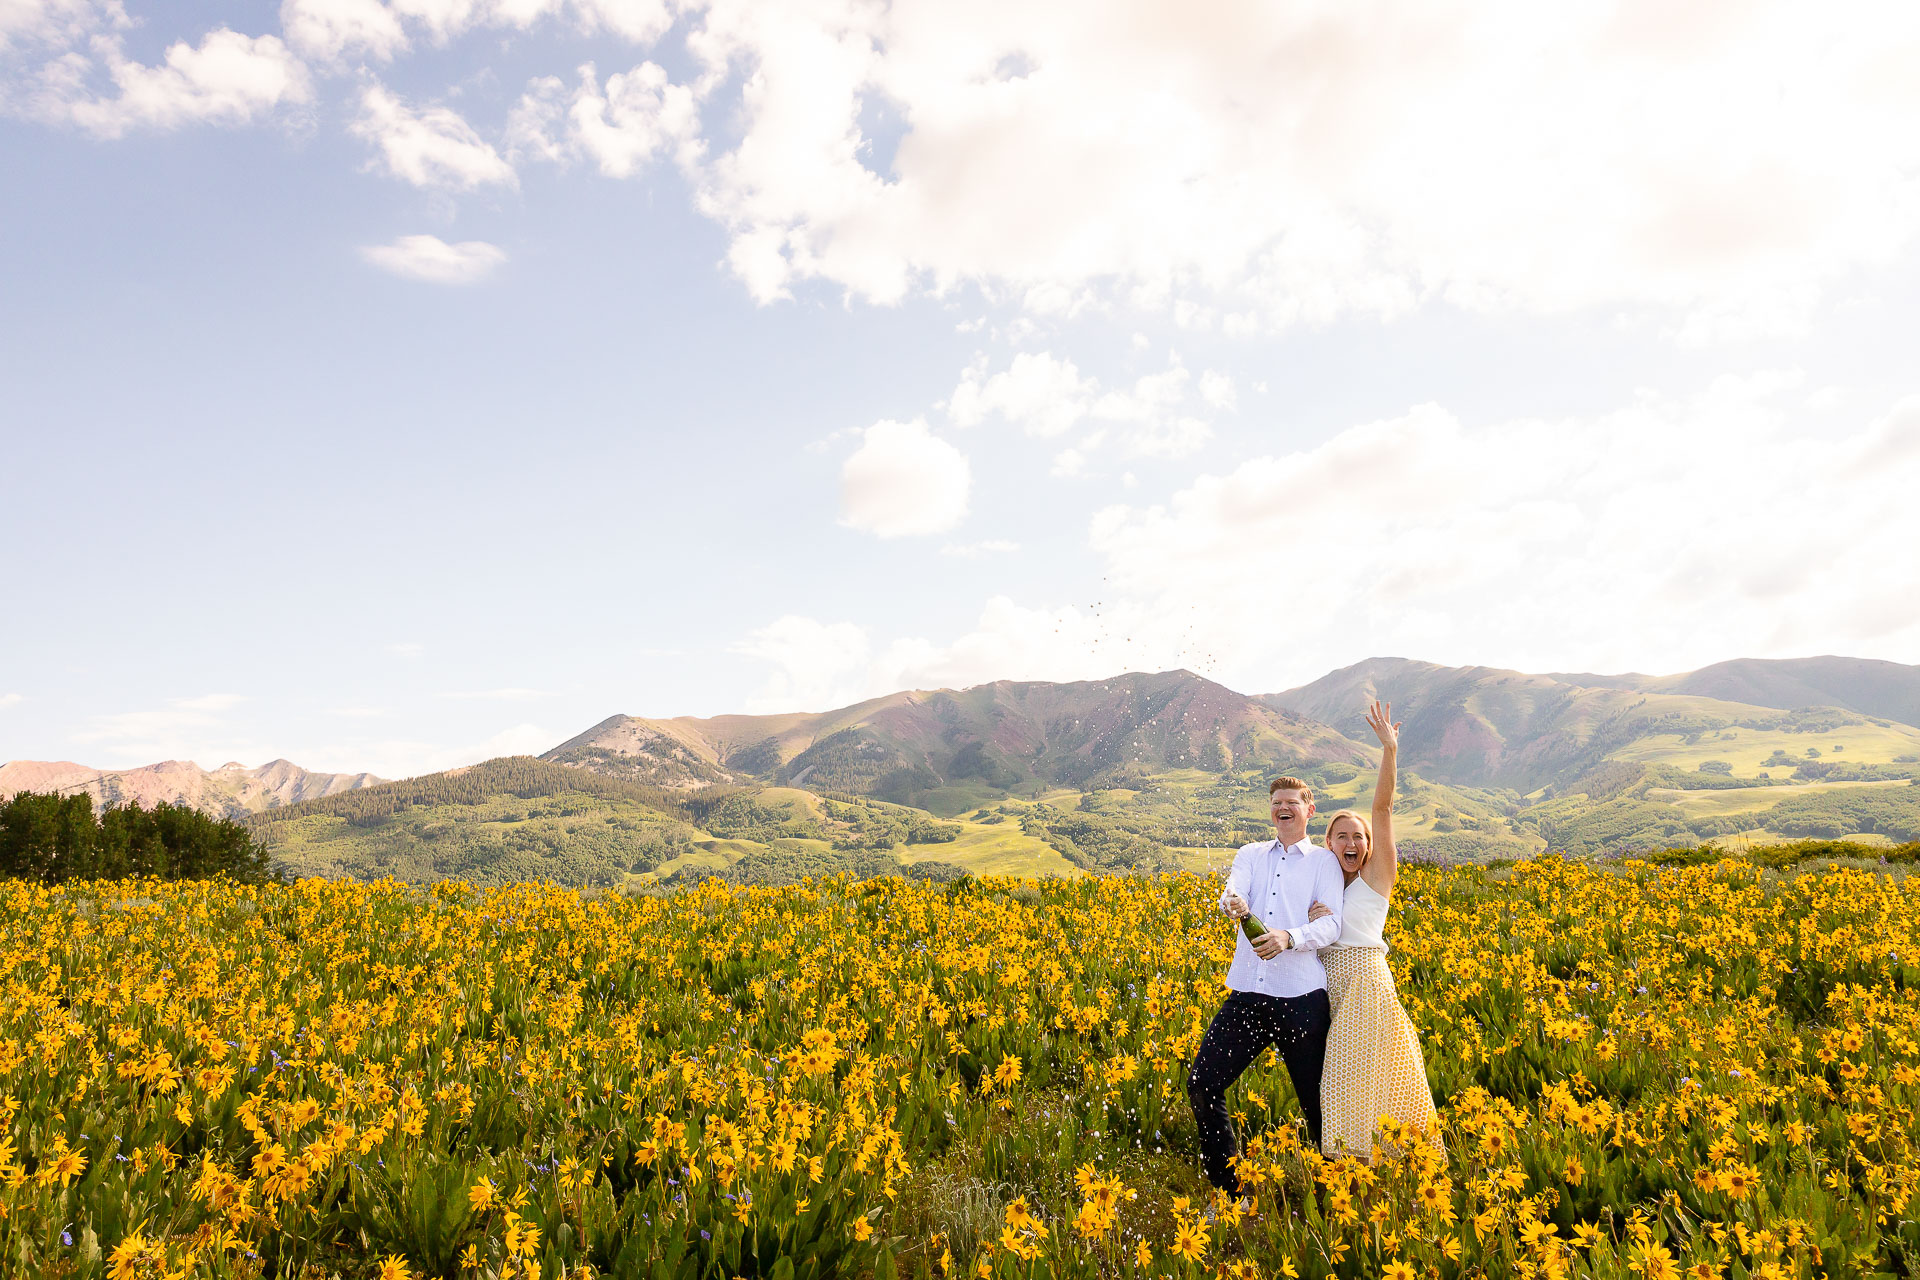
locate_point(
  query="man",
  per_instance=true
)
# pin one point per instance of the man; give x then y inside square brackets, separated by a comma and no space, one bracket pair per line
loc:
[1278,991]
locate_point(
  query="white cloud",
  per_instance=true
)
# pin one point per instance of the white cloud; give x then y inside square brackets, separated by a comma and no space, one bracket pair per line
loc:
[10,700]
[641,21]
[432,259]
[821,665]
[1713,171]
[1301,162]
[497,695]
[326,29]
[639,115]
[1041,393]
[55,22]
[520,740]
[813,662]
[412,757]
[1173,437]
[407,649]
[1046,395]
[1217,390]
[209,702]
[1463,543]
[1012,642]
[533,124]
[1475,542]
[1152,396]
[429,147]
[184,729]
[903,481]
[228,79]
[1152,408]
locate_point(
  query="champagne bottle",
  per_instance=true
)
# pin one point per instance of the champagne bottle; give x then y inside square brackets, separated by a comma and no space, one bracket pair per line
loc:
[1251,926]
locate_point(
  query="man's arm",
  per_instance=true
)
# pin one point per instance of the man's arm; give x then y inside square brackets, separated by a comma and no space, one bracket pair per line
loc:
[1239,879]
[1329,887]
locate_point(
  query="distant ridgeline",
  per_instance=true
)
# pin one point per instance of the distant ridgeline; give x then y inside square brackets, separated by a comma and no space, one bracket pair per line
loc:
[1135,773]
[54,838]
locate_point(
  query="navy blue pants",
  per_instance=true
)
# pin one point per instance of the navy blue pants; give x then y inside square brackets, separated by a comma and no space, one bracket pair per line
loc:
[1245,1027]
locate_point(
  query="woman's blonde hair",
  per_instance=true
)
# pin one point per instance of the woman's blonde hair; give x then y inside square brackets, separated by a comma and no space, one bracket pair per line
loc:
[1361,821]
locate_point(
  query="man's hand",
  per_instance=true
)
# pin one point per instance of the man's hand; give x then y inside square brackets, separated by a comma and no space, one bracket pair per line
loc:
[1272,943]
[1319,911]
[1234,905]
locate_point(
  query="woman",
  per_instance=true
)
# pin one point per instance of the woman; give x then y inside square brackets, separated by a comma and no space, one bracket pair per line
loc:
[1374,1066]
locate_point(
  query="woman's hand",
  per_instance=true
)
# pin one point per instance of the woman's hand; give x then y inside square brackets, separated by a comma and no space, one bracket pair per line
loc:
[1379,715]
[1319,911]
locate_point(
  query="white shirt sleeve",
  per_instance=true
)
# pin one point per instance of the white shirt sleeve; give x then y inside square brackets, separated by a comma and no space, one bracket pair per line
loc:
[1330,887]
[1240,877]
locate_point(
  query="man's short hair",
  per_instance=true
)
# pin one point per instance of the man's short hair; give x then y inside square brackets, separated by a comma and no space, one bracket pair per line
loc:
[1290,783]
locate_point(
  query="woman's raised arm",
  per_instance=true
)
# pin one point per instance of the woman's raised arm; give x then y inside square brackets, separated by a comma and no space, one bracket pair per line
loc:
[1383,864]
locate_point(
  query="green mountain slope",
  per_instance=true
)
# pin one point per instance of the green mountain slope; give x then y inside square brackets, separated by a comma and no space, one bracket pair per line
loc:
[1615,764]
[1888,690]
[510,819]
[519,818]
[1490,727]
[949,750]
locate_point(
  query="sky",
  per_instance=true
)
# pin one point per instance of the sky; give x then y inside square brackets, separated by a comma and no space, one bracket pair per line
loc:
[390,384]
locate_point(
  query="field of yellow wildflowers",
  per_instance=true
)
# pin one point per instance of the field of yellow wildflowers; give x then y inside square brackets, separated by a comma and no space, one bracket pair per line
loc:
[1698,1071]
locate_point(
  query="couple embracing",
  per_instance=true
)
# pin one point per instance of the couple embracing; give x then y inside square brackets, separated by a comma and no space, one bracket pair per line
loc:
[1315,984]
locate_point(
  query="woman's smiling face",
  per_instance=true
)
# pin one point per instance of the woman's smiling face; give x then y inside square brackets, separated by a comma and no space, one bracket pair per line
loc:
[1350,844]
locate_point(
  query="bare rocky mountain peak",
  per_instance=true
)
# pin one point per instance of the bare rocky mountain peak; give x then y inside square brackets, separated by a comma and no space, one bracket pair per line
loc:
[230,791]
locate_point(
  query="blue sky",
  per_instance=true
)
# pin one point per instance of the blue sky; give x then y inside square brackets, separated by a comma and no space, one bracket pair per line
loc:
[389,385]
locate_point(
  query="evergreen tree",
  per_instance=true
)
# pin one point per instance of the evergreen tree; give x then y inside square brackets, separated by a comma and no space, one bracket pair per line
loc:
[54,838]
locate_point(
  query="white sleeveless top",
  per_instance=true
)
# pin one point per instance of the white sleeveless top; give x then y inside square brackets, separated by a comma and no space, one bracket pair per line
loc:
[1363,917]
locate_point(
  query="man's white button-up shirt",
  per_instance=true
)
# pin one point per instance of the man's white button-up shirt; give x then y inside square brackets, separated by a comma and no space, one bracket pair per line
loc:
[1280,884]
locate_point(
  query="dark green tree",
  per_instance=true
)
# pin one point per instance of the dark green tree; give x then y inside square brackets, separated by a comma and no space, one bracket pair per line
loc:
[54,838]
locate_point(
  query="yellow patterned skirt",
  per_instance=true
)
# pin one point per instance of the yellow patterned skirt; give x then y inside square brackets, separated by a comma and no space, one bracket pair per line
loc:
[1374,1066]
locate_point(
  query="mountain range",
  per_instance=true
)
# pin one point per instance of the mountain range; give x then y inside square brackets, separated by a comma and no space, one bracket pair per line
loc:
[232,790]
[946,748]
[1482,727]
[1103,773]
